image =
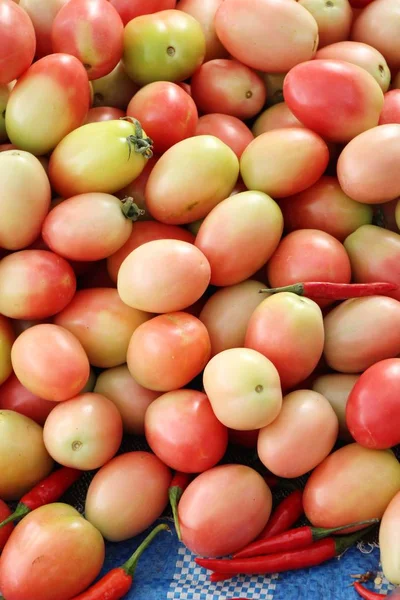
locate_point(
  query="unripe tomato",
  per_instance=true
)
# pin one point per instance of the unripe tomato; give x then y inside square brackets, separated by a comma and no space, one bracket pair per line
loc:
[17,41]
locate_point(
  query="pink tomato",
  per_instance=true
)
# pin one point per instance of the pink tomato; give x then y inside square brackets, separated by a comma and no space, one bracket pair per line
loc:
[391,108]
[130,9]
[230,130]
[104,113]
[42,16]
[7,337]
[18,41]
[7,530]
[115,89]
[336,387]
[50,362]
[183,431]
[278,116]
[333,17]
[204,13]
[14,396]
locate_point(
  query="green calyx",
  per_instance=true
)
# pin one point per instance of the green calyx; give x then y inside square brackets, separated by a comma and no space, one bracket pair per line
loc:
[137,142]
[130,209]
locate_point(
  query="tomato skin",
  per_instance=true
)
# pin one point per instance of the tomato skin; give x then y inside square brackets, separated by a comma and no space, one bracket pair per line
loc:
[391,108]
[229,87]
[326,207]
[173,198]
[104,113]
[243,33]
[50,362]
[230,130]
[79,164]
[283,162]
[42,16]
[166,112]
[334,20]
[388,544]
[204,13]
[136,190]
[57,535]
[102,22]
[102,323]
[30,125]
[115,89]
[5,90]
[336,388]
[278,116]
[14,396]
[183,431]
[305,92]
[7,337]
[252,224]
[18,41]
[6,531]
[130,9]
[165,46]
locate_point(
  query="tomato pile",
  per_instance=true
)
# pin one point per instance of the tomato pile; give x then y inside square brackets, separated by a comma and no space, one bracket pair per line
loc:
[199,245]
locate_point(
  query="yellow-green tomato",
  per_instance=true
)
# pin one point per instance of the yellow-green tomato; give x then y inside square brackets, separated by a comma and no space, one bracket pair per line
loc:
[190,179]
[352,484]
[165,46]
[99,157]
[5,90]
[115,89]
[7,337]
[244,389]
[336,388]
[389,541]
[293,444]
[24,460]
[127,495]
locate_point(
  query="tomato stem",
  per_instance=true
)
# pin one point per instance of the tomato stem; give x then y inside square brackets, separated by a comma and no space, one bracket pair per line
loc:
[138,143]
[130,209]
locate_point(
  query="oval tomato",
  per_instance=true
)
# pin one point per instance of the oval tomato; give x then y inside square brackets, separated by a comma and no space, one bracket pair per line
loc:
[5,90]
[230,130]
[42,16]
[130,9]
[391,108]
[115,89]
[104,113]
[278,116]
[18,41]
[336,387]
[388,541]
[30,124]
[14,396]
[333,17]
[204,13]
[7,337]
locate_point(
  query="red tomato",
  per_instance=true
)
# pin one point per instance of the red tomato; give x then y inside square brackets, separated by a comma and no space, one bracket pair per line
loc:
[244,32]
[372,411]
[166,112]
[17,41]
[391,108]
[115,89]
[228,87]
[14,396]
[6,531]
[326,207]
[334,18]
[336,99]
[136,190]
[92,31]
[104,113]
[167,352]
[204,13]
[359,4]
[42,15]
[35,284]
[49,538]
[283,162]
[183,431]
[50,362]
[230,130]
[278,116]
[130,9]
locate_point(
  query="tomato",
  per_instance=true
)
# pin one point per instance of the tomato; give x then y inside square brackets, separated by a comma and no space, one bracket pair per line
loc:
[326,207]
[165,46]
[204,13]
[374,254]
[18,41]
[35,284]
[371,478]
[361,55]
[174,198]
[24,460]
[4,95]
[30,124]
[14,396]
[167,352]
[391,108]
[167,113]
[305,91]
[129,9]
[296,432]
[80,164]
[136,190]
[388,541]
[87,227]
[283,162]
[309,255]
[334,18]
[336,387]
[141,234]
[50,362]
[183,431]
[84,432]
[7,337]
[274,85]
[52,538]
[243,33]
[81,27]
[295,337]
[102,323]
[377,25]
[23,181]
[252,224]
[7,530]
[115,89]
[223,510]
[163,276]
[104,113]
[127,495]
[131,399]
[230,130]
[278,116]
[228,87]
[42,15]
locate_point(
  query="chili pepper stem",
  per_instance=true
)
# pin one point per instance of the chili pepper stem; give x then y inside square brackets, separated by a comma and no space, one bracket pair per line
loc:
[296,288]
[175,494]
[319,533]
[130,566]
[19,512]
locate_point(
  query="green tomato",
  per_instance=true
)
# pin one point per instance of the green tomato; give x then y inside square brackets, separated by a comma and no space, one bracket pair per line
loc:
[4,95]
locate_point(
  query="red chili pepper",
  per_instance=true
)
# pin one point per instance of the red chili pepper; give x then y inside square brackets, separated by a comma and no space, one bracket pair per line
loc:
[47,491]
[295,539]
[287,513]
[177,486]
[117,582]
[367,594]
[335,291]
[284,561]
